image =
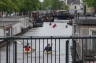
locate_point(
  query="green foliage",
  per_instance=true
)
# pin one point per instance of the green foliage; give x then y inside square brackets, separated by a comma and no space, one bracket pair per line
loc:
[8,5]
[19,5]
[90,3]
[29,5]
[54,4]
[47,4]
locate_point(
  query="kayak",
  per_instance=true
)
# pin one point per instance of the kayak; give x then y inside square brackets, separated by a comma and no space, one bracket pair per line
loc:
[54,25]
[28,50]
[49,52]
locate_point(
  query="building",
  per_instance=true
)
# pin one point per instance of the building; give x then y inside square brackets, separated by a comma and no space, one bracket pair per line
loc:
[86,48]
[14,25]
[75,5]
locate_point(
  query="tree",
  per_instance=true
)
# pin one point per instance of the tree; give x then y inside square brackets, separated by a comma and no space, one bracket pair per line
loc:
[47,4]
[19,5]
[54,4]
[90,3]
[8,5]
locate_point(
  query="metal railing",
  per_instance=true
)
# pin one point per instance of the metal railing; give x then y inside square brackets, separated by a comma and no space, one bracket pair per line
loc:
[64,50]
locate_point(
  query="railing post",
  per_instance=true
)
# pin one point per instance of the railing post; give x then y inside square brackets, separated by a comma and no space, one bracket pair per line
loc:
[74,51]
[67,51]
[15,44]
[7,61]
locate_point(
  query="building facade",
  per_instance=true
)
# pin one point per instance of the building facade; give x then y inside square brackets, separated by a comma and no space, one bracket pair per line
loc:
[14,25]
[85,48]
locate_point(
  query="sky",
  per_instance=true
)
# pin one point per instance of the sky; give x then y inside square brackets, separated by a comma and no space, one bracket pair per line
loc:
[41,0]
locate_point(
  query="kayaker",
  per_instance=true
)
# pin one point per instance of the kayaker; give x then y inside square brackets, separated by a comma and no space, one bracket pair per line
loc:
[48,48]
[27,47]
[54,25]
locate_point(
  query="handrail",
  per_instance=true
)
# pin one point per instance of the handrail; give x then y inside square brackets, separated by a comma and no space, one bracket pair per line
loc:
[48,37]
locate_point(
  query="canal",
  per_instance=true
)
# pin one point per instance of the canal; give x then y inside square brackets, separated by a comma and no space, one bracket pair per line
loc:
[61,29]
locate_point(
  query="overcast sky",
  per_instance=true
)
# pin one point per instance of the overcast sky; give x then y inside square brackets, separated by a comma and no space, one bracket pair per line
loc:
[41,0]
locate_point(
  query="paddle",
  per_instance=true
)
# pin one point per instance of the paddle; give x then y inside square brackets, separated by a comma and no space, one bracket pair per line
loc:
[43,51]
[19,42]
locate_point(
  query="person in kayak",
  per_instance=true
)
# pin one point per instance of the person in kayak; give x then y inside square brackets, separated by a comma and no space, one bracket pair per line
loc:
[27,47]
[48,48]
[54,26]
[66,26]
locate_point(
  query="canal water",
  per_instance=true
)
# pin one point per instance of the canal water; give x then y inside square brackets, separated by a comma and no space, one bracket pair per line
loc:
[61,29]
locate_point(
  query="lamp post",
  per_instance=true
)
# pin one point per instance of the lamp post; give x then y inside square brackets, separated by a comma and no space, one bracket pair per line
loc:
[73,47]
[74,22]
[84,7]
